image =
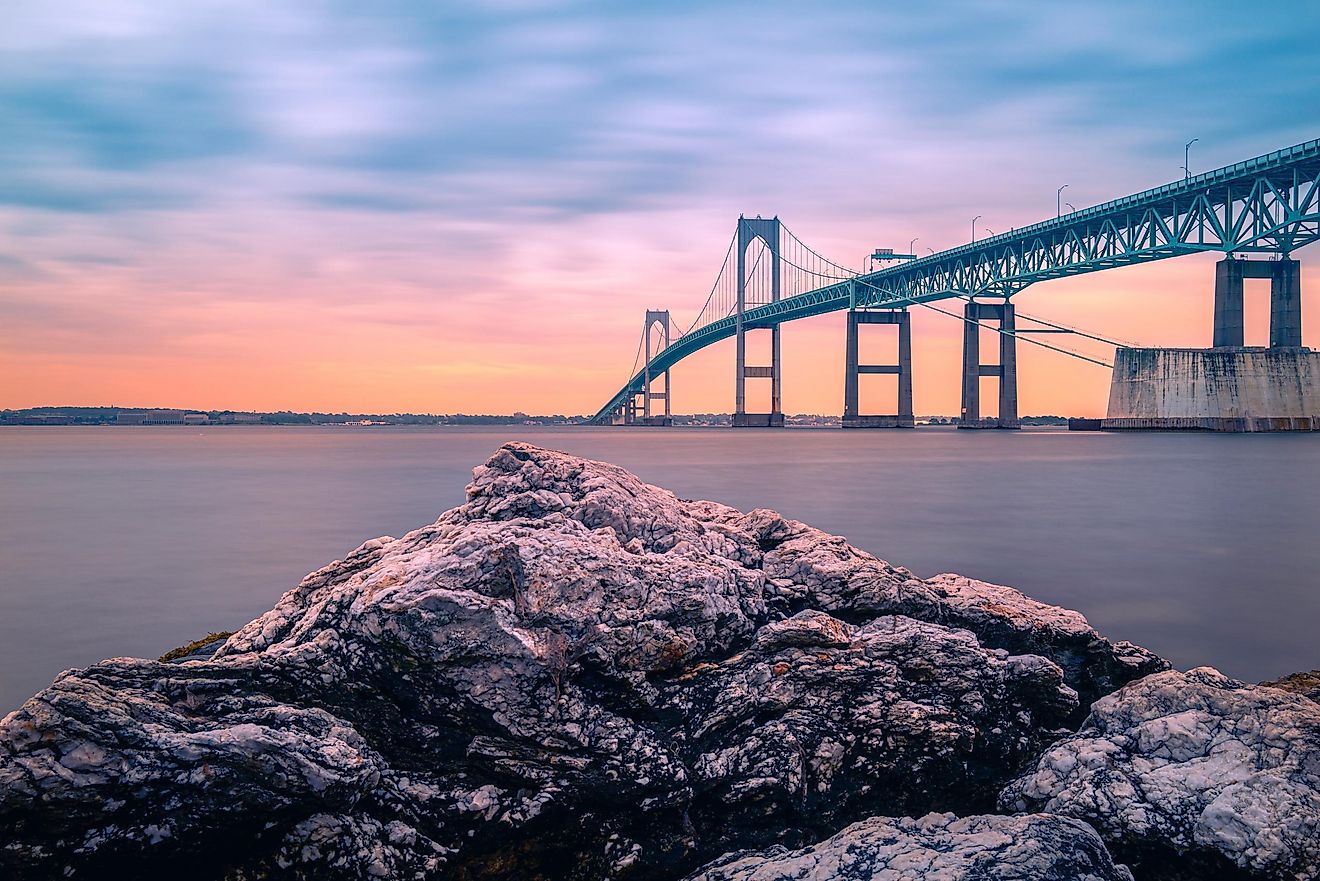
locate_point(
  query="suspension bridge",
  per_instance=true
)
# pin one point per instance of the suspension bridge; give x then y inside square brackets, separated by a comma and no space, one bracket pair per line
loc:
[1264,208]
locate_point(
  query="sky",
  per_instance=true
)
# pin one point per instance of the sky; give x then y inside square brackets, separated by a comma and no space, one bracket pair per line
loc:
[448,207]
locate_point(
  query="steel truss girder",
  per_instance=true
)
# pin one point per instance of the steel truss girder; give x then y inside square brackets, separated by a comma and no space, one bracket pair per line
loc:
[1270,204]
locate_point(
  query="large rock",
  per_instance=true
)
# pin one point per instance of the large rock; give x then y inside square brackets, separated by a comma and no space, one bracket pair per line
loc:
[574,674]
[1192,772]
[937,847]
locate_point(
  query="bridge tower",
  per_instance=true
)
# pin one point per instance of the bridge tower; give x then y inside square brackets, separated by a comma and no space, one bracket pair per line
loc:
[637,408]
[657,322]
[853,370]
[749,230]
[1005,370]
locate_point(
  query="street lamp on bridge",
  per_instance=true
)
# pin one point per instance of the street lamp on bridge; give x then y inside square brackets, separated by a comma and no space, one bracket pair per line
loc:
[1187,153]
[974,219]
[1072,209]
[1058,202]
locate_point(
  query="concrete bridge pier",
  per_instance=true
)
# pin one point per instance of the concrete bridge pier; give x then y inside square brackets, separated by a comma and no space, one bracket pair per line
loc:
[1005,370]
[853,370]
[1230,387]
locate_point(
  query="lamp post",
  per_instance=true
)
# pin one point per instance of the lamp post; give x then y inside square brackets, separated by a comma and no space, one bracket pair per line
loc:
[1187,158]
[1072,209]
[1058,201]
[974,219]
[913,244]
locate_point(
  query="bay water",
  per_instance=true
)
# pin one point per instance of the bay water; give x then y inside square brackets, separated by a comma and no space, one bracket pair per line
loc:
[132,540]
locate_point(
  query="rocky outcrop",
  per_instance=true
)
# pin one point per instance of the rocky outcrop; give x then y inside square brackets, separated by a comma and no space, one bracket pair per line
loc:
[1035,847]
[807,568]
[1192,775]
[573,674]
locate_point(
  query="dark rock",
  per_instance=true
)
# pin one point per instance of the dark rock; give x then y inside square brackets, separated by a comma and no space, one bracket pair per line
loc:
[572,675]
[940,847]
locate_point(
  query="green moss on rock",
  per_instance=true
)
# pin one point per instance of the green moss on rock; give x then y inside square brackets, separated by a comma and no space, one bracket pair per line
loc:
[184,650]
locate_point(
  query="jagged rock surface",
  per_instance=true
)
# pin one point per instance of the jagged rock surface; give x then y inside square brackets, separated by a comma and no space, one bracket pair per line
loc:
[937,847]
[1192,772]
[572,675]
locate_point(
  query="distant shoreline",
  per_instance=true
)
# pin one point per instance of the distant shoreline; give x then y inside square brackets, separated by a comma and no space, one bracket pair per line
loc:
[120,417]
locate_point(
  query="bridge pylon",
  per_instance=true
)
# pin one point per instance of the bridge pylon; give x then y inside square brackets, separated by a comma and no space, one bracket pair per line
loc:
[1005,370]
[638,408]
[657,322]
[749,230]
[853,370]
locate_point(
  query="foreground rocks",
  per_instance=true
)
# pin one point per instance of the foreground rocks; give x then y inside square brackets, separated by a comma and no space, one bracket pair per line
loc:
[573,675]
[1192,772]
[1035,847]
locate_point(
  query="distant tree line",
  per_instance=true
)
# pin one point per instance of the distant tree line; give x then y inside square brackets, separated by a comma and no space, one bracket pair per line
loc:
[107,415]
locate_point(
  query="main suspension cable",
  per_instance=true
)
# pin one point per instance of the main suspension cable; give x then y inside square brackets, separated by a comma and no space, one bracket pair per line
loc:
[715,287]
[808,249]
[641,341]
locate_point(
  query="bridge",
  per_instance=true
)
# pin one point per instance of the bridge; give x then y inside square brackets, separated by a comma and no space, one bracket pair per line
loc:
[1269,205]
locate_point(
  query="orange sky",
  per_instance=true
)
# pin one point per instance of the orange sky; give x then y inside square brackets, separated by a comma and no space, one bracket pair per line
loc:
[488,357]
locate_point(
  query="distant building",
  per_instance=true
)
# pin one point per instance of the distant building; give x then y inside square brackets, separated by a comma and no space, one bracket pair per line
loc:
[240,418]
[130,417]
[39,419]
[163,417]
[196,419]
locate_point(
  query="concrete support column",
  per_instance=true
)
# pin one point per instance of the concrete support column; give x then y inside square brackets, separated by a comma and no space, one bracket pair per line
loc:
[1005,371]
[971,380]
[1228,303]
[850,368]
[905,417]
[1285,304]
[1008,396]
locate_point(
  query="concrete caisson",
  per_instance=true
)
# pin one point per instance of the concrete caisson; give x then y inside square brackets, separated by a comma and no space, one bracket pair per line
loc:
[1229,388]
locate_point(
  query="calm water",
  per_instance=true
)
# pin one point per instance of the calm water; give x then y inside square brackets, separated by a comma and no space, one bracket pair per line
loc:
[129,541]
